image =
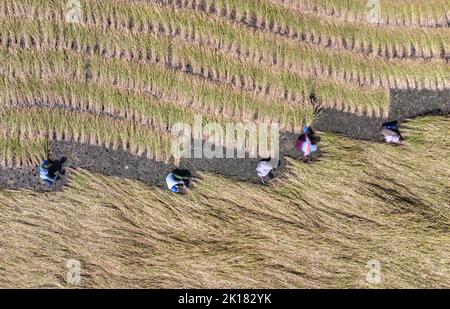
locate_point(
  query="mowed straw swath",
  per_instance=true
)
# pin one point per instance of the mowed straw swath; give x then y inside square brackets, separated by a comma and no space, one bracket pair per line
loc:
[266,48]
[410,13]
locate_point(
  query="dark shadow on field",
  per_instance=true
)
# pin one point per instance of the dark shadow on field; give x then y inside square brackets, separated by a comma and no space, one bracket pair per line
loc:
[405,104]
[123,164]
[410,104]
[348,124]
[26,178]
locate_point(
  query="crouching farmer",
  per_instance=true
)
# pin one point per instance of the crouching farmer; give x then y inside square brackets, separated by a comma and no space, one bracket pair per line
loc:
[265,169]
[179,181]
[307,142]
[391,133]
[50,171]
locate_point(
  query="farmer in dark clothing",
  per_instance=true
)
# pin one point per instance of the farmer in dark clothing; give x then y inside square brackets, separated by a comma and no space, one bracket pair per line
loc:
[50,170]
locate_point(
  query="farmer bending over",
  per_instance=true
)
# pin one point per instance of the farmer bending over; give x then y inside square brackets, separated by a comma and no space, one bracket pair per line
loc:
[50,170]
[391,133]
[179,181]
[307,142]
[265,168]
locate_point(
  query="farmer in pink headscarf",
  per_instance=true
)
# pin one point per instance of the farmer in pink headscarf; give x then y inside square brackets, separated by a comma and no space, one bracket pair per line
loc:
[307,142]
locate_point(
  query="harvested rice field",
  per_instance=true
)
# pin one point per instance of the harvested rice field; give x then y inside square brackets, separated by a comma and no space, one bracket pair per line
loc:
[105,84]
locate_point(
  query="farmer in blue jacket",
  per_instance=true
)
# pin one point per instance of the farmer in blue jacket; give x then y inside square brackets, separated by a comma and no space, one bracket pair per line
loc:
[50,170]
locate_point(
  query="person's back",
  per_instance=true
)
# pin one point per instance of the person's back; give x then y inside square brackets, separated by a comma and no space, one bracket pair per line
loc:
[391,132]
[179,180]
[50,170]
[172,182]
[390,136]
[307,142]
[265,168]
[44,174]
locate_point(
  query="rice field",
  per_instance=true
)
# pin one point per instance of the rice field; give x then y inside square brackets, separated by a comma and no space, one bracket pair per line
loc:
[123,72]
[416,13]
[318,228]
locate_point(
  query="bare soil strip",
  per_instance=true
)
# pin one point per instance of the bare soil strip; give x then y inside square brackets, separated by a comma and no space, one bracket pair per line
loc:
[409,104]
[406,104]
[123,164]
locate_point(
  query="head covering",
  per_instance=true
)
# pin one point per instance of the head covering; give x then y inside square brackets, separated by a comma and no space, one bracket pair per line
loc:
[391,129]
[175,189]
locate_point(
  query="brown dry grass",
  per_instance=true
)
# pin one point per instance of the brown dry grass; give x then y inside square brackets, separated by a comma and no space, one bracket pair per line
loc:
[318,227]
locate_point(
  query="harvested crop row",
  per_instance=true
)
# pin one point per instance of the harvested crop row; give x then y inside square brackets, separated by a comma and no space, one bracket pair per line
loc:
[19,150]
[65,83]
[280,84]
[262,15]
[84,99]
[17,94]
[260,47]
[268,49]
[430,13]
[72,126]
[199,96]
[357,37]
[77,95]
